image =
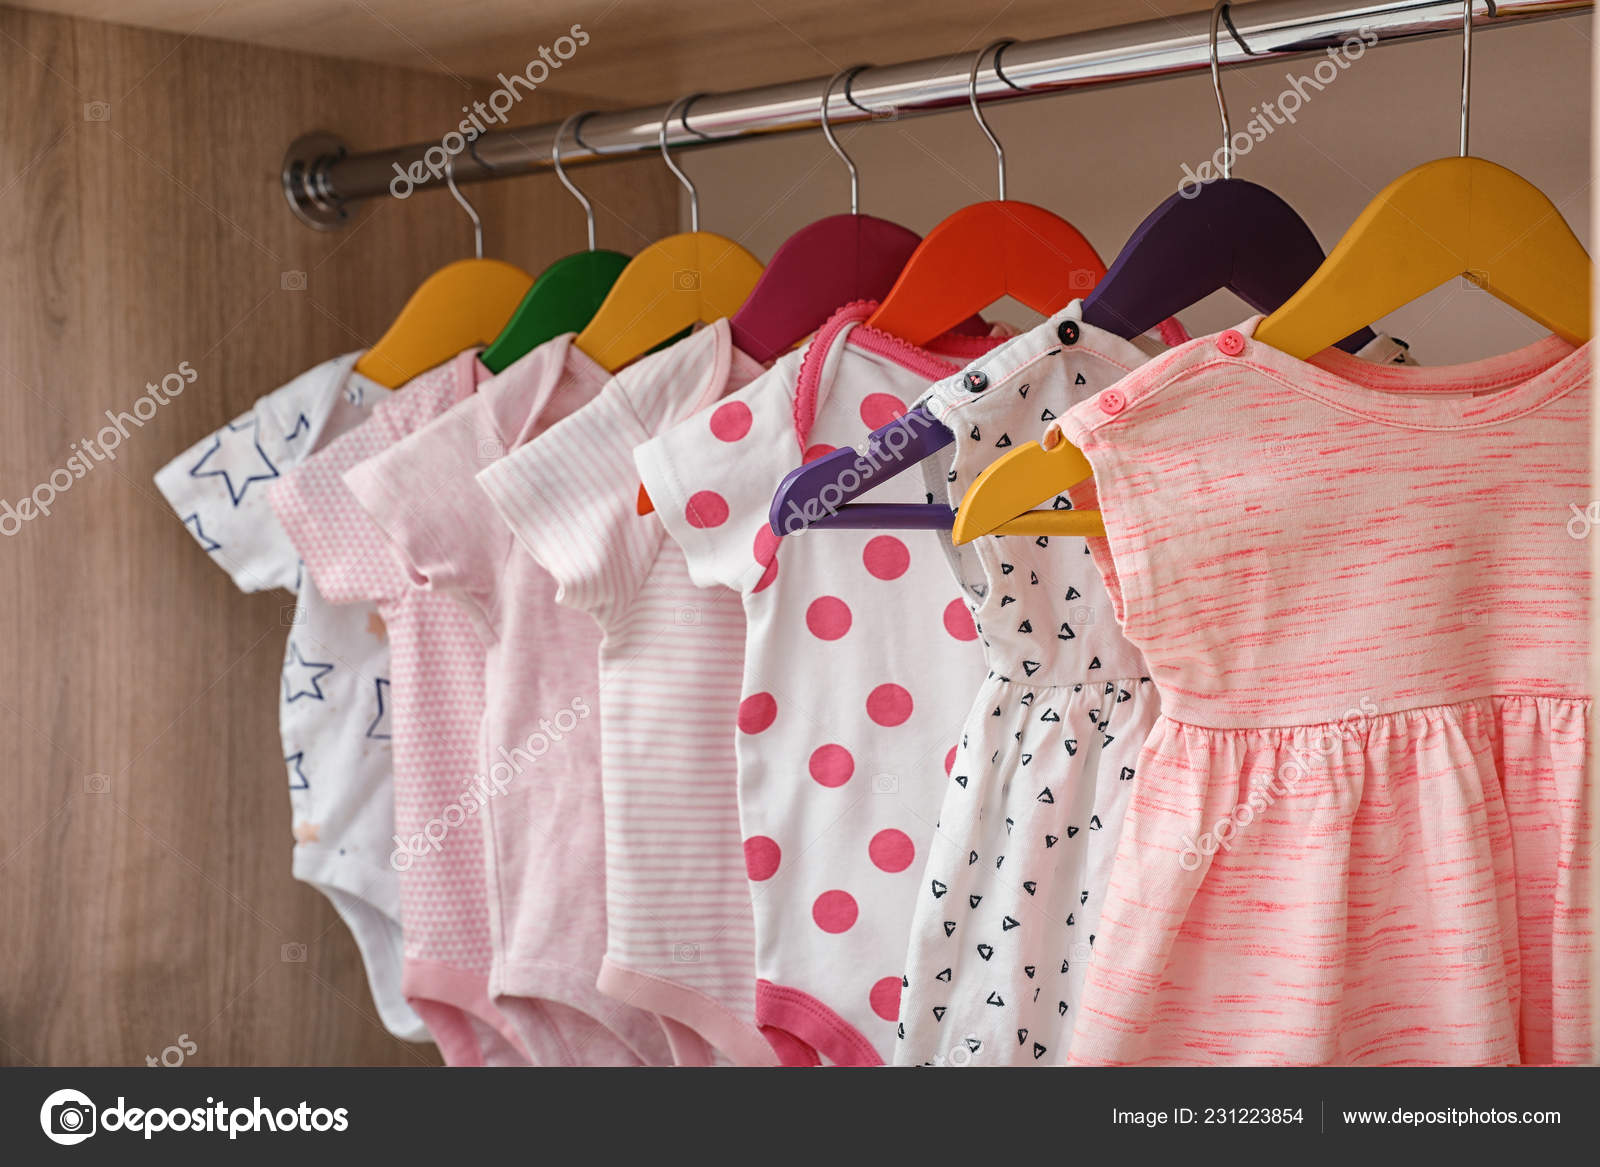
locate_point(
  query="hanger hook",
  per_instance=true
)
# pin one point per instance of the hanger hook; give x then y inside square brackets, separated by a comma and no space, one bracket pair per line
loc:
[972,99]
[455,191]
[827,131]
[1216,85]
[555,160]
[694,195]
[1466,66]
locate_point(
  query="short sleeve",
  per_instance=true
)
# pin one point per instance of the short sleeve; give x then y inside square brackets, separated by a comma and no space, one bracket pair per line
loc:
[219,486]
[343,549]
[570,498]
[421,493]
[712,477]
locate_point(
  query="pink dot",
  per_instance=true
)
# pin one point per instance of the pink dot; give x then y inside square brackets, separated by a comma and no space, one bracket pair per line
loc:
[706,508]
[828,617]
[767,576]
[891,850]
[878,409]
[885,998]
[730,421]
[886,557]
[819,450]
[835,911]
[757,712]
[765,548]
[950,760]
[888,705]
[958,621]
[832,765]
[761,856]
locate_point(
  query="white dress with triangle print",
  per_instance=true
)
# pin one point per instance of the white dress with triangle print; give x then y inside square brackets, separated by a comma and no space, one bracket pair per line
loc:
[1005,917]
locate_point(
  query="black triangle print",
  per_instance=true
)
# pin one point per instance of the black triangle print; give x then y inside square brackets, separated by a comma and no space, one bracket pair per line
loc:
[1022,1036]
[1127,774]
[1009,824]
[961,781]
[1094,822]
[938,1012]
[1006,569]
[994,998]
[1061,503]
[950,477]
[1072,593]
[905,981]
[996,712]
[1072,747]
[1063,966]
[949,928]
[1005,440]
[1108,739]
[1066,632]
[999,859]
[1094,718]
[1017,736]
[972,857]
[975,434]
[1025,626]
[1046,797]
[1050,715]
[900,1031]
[1026,758]
[1038,1051]
[944,976]
[1023,391]
[1061,1008]
[1071,831]
[1027,699]
[1030,667]
[939,889]
[1070,920]
[1123,695]
[1004,600]
[1009,923]
[986,950]
[1042,541]
[1030,886]
[1047,416]
[1028,971]
[1033,577]
[1083,897]
[1036,996]
[1095,663]
[1078,380]
[974,901]
[1051,841]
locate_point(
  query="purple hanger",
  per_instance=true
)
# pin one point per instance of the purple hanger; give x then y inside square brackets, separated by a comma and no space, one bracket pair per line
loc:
[1229,234]
[818,494]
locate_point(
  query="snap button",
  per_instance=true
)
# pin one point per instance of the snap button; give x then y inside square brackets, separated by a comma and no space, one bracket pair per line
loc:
[975,382]
[1231,343]
[1112,401]
[1067,330]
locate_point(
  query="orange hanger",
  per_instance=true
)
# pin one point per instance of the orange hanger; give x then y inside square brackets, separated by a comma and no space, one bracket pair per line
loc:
[460,306]
[985,252]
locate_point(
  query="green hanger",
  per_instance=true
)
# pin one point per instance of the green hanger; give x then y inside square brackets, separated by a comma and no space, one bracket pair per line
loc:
[567,294]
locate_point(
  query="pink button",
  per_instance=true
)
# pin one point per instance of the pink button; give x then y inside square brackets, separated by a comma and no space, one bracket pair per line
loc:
[1112,402]
[1231,342]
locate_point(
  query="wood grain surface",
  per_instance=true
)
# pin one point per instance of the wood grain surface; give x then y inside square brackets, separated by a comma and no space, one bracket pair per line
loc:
[144,862]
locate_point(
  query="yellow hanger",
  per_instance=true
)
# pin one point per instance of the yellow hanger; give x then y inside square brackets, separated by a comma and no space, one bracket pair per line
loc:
[460,306]
[1001,498]
[685,279]
[1443,219]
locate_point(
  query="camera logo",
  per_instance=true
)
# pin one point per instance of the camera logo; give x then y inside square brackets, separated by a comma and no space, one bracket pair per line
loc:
[686,280]
[67,1117]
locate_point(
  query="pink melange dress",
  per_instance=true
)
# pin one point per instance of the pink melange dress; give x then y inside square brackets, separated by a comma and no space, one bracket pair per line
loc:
[1358,835]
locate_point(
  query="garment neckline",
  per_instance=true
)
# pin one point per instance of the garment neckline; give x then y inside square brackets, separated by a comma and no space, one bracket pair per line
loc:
[1478,393]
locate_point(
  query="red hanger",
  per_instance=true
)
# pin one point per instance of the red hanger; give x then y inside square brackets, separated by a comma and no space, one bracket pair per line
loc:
[987,251]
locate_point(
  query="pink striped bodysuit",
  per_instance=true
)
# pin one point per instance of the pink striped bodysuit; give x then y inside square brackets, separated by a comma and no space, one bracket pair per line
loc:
[1358,834]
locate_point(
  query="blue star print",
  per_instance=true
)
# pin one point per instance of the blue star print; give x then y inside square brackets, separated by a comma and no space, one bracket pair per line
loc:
[379,729]
[207,543]
[297,776]
[301,677]
[239,461]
